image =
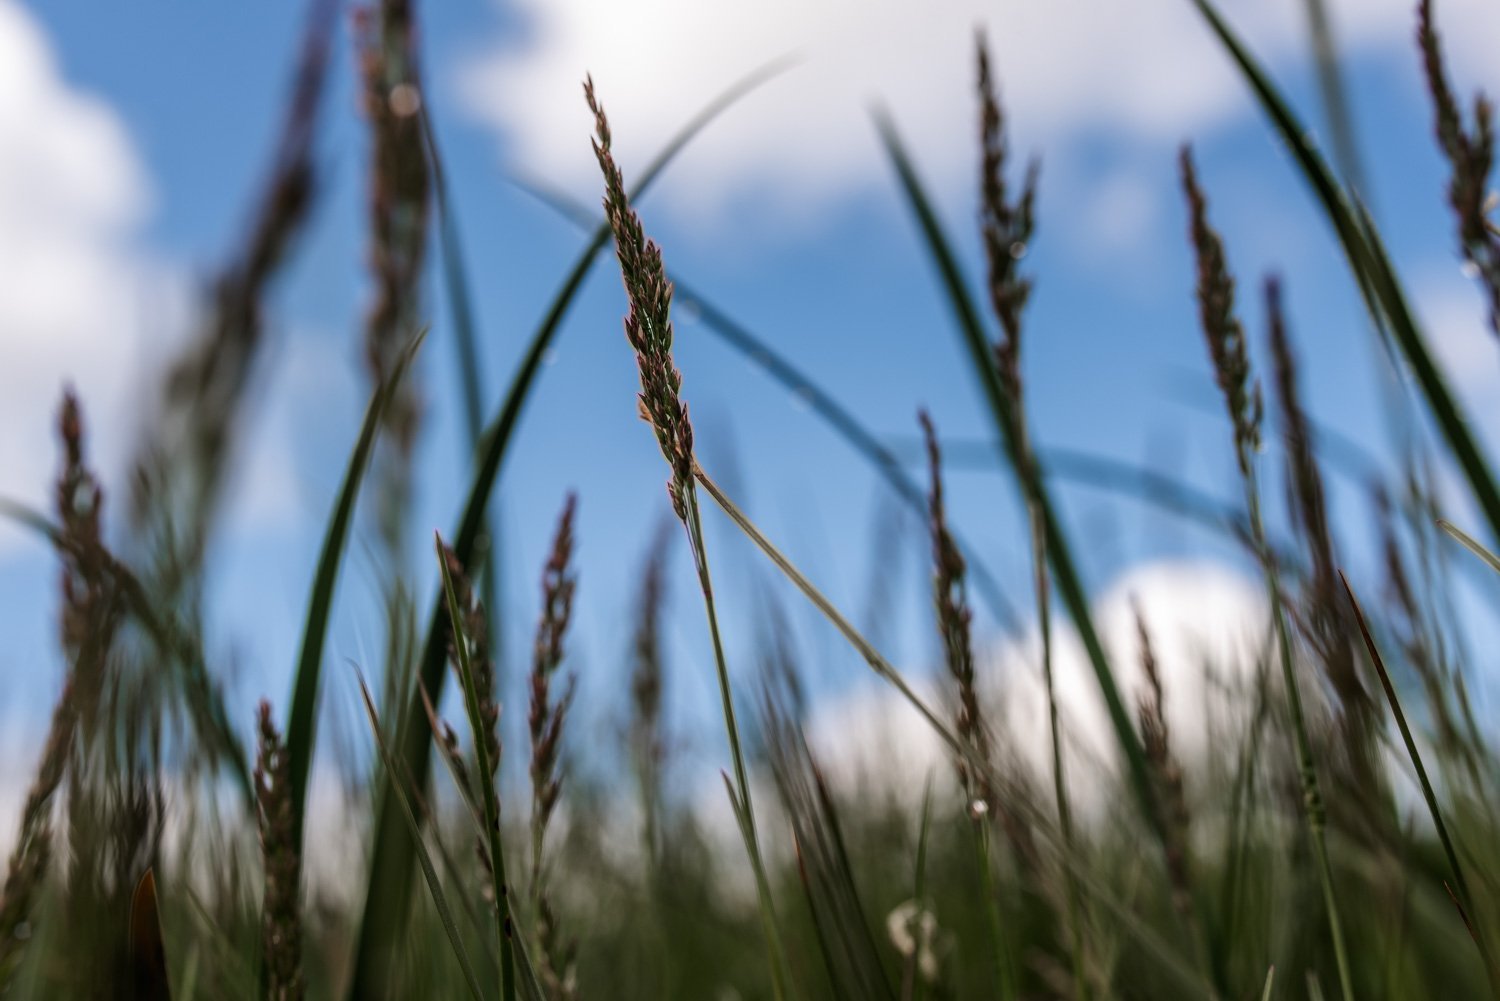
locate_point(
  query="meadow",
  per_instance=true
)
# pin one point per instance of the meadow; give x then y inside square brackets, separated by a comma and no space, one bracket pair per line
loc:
[1334,837]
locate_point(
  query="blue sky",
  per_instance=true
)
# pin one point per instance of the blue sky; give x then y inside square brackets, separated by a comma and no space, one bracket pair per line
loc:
[784,214]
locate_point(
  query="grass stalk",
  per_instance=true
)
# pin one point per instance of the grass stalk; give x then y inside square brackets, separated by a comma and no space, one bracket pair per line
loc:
[391,858]
[489,800]
[1465,896]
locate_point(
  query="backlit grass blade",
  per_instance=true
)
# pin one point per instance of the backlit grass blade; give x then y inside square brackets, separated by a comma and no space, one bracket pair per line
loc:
[1371,267]
[1065,575]
[1466,899]
[389,884]
[301,727]
[434,885]
[1472,544]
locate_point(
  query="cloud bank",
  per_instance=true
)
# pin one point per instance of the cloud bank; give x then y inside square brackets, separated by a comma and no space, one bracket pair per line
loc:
[1143,70]
[73,194]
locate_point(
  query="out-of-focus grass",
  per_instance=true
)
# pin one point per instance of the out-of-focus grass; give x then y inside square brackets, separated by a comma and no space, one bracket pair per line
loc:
[1293,851]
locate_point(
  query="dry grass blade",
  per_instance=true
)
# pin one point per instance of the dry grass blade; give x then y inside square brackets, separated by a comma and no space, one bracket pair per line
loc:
[1464,898]
[1472,544]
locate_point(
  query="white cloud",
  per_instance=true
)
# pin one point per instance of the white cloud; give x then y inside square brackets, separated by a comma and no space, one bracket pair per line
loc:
[1139,69]
[72,192]
[1453,311]
[1198,614]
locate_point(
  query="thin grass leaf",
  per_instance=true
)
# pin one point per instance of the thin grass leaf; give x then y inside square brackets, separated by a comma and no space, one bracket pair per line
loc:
[1265,993]
[301,729]
[1065,575]
[872,657]
[389,882]
[1464,897]
[434,885]
[1472,544]
[1371,268]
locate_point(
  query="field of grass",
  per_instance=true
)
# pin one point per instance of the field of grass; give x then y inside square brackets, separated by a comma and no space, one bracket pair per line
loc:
[1337,839]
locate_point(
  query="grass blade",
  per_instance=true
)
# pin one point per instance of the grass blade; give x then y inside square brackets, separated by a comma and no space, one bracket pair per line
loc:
[301,730]
[1472,544]
[1464,898]
[1372,270]
[389,883]
[439,899]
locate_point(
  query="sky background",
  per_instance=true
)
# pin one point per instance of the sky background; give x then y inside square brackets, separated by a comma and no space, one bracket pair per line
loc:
[133,139]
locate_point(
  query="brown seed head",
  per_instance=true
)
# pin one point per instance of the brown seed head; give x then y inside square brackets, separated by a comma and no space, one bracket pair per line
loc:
[648,324]
[1221,327]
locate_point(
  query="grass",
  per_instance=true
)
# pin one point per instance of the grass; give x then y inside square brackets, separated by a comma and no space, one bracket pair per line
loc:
[1292,868]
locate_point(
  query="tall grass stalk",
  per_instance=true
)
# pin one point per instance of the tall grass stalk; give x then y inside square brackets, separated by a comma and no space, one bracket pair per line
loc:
[648,328]
[391,855]
[1228,352]
[489,799]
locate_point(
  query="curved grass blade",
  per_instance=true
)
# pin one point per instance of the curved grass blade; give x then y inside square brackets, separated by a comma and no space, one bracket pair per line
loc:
[1472,544]
[1464,897]
[439,899]
[301,729]
[1033,488]
[389,883]
[1372,270]
[822,403]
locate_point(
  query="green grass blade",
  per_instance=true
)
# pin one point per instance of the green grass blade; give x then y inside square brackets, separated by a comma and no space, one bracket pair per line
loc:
[439,899]
[389,884]
[1265,993]
[1065,576]
[1466,899]
[301,729]
[1372,270]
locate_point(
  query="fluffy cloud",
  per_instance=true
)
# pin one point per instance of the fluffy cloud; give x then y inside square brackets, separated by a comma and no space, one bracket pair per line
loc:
[72,192]
[1145,69]
[1201,617]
